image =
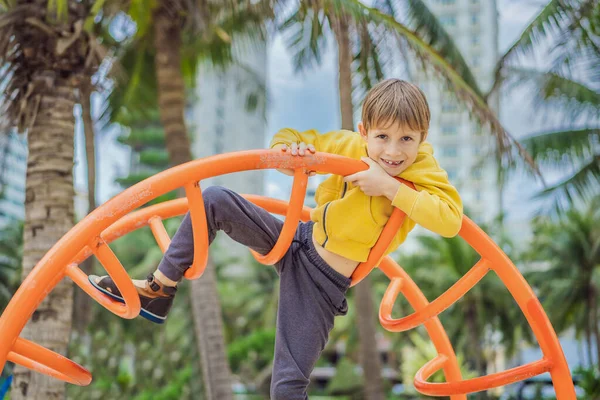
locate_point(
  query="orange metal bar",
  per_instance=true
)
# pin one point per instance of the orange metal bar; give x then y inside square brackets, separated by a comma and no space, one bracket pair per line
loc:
[434,308]
[160,233]
[110,221]
[433,326]
[291,221]
[385,238]
[198,217]
[123,282]
[528,303]
[40,359]
[476,384]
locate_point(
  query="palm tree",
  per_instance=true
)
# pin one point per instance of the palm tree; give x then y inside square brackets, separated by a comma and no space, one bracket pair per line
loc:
[44,49]
[82,302]
[366,39]
[565,262]
[570,84]
[208,37]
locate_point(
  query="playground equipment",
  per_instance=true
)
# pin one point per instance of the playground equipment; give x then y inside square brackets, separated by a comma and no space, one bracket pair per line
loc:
[113,220]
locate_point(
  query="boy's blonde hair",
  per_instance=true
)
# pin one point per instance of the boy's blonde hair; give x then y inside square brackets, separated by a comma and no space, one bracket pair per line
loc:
[395,100]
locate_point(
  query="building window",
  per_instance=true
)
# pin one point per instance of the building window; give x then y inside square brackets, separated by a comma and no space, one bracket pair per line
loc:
[220,112]
[452,175]
[449,130]
[449,106]
[449,151]
[448,20]
[447,2]
[477,195]
[476,173]
[475,40]
[474,19]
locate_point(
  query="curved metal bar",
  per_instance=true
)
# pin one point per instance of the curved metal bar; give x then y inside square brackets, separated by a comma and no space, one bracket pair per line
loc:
[434,327]
[385,238]
[33,356]
[290,225]
[160,233]
[475,384]
[433,309]
[62,258]
[200,229]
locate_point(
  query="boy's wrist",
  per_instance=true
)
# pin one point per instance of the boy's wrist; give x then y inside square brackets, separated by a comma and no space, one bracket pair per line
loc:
[391,188]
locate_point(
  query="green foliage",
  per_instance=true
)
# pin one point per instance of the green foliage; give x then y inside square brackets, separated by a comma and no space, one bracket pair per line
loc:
[346,380]
[11,254]
[151,136]
[420,352]
[588,379]
[564,263]
[256,348]
[154,158]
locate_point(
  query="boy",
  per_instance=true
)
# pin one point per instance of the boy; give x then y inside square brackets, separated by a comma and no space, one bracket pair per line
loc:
[350,214]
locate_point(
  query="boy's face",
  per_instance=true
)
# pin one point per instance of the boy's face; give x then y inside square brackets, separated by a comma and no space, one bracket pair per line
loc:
[394,147]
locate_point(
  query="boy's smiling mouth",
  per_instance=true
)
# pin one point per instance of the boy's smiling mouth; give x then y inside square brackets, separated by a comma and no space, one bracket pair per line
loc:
[392,163]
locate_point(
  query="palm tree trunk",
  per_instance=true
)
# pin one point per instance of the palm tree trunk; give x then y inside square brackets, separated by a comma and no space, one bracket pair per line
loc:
[83,302]
[594,321]
[204,298]
[369,354]
[48,216]
[474,346]
[206,309]
[588,326]
[345,73]
[171,89]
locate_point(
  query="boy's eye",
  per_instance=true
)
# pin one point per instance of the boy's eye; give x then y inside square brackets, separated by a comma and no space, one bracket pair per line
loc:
[382,136]
[407,138]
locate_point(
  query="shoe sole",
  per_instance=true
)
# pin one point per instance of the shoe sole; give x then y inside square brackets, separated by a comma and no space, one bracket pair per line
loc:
[157,319]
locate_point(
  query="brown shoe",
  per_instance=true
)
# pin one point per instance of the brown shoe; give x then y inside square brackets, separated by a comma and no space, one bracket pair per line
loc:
[154,308]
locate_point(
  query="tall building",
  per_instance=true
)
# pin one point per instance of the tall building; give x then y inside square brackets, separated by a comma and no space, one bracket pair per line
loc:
[13,169]
[464,149]
[221,118]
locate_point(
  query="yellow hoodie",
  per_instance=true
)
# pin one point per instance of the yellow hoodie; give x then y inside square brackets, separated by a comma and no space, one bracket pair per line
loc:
[348,222]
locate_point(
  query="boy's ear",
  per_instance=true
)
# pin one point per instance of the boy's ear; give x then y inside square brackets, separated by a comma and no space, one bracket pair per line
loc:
[362,131]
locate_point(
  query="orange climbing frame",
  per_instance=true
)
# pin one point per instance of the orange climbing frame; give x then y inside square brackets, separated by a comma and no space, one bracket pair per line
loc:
[115,219]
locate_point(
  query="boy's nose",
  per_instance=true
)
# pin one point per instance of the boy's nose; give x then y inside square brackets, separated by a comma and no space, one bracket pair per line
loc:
[394,151]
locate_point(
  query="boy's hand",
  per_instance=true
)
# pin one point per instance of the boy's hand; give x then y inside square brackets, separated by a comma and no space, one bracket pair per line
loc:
[296,150]
[374,181]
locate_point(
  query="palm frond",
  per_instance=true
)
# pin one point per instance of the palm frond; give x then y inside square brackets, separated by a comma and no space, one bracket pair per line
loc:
[562,149]
[304,34]
[553,91]
[432,32]
[548,21]
[432,60]
[581,187]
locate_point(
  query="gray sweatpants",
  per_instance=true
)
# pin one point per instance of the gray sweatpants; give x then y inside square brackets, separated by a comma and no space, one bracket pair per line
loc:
[311,293]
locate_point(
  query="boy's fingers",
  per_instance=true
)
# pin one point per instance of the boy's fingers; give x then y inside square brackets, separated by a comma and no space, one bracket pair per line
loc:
[294,148]
[311,148]
[350,178]
[302,149]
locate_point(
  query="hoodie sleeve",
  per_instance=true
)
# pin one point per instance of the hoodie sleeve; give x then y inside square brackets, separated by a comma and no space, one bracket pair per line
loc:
[335,142]
[436,204]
